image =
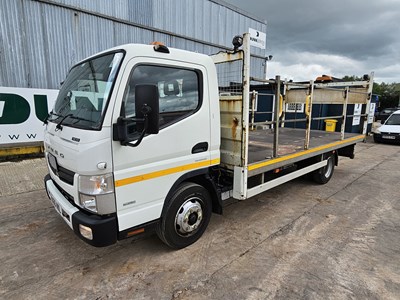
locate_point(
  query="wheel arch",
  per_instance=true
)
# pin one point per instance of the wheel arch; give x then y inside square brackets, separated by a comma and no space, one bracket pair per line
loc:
[325,156]
[336,156]
[320,175]
[201,177]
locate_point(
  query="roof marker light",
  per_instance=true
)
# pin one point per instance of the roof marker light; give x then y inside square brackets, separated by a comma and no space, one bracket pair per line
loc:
[160,47]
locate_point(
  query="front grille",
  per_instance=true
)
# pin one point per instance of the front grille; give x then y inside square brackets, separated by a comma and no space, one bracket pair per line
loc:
[66,175]
[390,133]
[54,170]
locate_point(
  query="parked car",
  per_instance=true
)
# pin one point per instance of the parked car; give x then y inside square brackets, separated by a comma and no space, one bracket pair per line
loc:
[385,113]
[390,130]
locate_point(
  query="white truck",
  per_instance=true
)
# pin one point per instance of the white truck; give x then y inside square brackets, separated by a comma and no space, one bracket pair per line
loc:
[142,138]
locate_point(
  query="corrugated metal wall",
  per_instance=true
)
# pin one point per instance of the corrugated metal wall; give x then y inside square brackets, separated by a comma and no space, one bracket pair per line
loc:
[41,39]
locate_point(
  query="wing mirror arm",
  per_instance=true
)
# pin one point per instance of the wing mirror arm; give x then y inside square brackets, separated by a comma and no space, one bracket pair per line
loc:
[145,110]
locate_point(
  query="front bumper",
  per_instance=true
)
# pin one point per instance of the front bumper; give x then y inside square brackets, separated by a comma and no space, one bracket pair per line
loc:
[387,137]
[104,229]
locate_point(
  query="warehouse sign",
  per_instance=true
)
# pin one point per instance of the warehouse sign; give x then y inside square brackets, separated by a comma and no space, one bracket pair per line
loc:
[22,112]
[257,38]
[357,114]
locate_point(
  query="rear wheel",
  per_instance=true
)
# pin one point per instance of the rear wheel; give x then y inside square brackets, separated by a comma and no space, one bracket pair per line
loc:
[324,174]
[186,216]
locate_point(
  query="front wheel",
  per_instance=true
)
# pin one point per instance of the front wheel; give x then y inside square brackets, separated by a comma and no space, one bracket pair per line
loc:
[324,174]
[376,140]
[186,216]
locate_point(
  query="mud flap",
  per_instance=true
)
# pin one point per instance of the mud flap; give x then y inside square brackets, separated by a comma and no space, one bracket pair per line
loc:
[347,151]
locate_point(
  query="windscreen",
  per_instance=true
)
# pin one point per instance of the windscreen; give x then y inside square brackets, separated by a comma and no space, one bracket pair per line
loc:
[83,97]
[394,119]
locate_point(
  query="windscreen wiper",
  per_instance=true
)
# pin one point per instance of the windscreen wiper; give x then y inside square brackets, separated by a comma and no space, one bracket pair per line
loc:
[81,119]
[58,115]
[71,116]
[59,124]
[78,119]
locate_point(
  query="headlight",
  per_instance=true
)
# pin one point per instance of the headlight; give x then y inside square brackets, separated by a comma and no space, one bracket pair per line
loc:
[96,193]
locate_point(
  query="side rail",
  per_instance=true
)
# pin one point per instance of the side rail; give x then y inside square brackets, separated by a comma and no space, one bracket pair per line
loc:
[312,105]
[326,95]
[249,180]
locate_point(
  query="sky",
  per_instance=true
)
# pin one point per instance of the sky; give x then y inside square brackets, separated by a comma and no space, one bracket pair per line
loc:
[308,38]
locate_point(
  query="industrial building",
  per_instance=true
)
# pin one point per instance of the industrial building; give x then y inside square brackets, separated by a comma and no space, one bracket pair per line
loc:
[41,39]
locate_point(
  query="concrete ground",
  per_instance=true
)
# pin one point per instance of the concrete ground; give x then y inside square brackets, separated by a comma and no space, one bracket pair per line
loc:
[299,240]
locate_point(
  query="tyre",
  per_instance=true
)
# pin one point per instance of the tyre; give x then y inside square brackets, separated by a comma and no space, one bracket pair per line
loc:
[376,140]
[324,174]
[186,216]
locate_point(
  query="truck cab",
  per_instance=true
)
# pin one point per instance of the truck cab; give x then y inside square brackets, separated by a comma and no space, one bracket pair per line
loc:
[130,126]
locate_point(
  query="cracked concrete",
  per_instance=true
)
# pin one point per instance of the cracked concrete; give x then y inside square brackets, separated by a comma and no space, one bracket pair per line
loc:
[299,240]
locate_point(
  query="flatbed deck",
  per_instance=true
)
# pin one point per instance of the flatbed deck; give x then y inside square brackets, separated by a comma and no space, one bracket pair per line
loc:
[291,146]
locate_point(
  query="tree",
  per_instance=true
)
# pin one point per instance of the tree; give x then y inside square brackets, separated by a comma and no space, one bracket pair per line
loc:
[389,94]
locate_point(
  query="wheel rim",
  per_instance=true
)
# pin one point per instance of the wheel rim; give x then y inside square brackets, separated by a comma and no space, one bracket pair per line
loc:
[328,168]
[189,217]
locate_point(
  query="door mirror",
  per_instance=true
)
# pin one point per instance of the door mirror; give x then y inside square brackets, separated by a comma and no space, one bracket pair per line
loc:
[146,120]
[147,103]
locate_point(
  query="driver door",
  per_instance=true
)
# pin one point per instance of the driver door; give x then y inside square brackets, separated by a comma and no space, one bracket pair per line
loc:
[145,174]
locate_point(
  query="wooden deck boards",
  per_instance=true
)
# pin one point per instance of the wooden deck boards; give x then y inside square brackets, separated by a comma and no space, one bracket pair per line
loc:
[291,141]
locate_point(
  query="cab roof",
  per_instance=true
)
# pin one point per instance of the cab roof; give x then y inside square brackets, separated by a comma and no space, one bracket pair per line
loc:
[133,50]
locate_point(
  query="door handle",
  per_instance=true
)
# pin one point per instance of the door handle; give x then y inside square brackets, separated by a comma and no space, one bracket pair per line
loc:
[200,147]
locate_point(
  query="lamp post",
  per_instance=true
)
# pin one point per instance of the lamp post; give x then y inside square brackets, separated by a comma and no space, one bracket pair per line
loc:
[267,58]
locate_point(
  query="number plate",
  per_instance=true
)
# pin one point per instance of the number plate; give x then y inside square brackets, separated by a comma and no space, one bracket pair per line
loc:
[55,204]
[53,162]
[389,137]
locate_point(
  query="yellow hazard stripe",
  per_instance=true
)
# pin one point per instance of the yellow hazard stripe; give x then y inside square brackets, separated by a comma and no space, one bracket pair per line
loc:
[152,175]
[316,149]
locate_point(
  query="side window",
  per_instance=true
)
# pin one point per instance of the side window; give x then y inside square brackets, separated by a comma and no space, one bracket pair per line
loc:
[178,89]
